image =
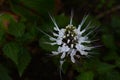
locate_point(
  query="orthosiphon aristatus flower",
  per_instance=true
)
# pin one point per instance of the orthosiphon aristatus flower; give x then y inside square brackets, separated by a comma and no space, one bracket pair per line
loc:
[70,40]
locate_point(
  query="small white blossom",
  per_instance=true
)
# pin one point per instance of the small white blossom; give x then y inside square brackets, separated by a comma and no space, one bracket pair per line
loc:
[70,40]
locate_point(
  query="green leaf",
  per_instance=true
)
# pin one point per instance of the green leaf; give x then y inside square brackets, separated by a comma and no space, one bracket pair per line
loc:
[2,35]
[11,50]
[108,41]
[30,34]
[86,76]
[39,5]
[115,23]
[23,12]
[4,73]
[110,55]
[104,67]
[117,62]
[18,55]
[23,60]
[113,75]
[16,29]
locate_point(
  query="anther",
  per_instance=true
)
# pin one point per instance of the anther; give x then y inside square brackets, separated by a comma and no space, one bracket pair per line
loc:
[68,41]
[67,35]
[72,45]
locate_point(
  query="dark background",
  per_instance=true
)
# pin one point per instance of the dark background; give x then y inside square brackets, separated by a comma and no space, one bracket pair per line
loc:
[24,56]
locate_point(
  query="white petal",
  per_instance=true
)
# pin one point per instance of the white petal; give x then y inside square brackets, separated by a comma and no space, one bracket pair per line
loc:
[61,63]
[59,49]
[55,34]
[61,32]
[81,49]
[55,53]
[65,48]
[54,43]
[84,53]
[63,55]
[88,48]
[72,55]
[55,29]
[59,42]
[52,39]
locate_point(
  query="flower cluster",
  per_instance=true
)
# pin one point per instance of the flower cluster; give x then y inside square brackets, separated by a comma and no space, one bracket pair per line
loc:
[70,40]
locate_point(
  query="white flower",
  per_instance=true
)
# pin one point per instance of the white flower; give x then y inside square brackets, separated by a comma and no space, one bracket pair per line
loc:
[70,40]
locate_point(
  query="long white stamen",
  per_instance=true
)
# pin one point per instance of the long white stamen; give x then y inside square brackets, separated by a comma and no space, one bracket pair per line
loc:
[81,24]
[53,20]
[71,18]
[44,32]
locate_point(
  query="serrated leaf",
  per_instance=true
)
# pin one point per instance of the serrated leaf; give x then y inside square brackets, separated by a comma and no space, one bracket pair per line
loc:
[86,76]
[4,73]
[16,29]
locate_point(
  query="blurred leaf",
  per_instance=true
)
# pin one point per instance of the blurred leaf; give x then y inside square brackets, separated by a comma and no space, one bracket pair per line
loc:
[18,55]
[113,75]
[108,41]
[31,33]
[115,23]
[5,19]
[4,73]
[24,13]
[86,76]
[41,6]
[110,55]
[29,6]
[16,29]
[23,60]
[12,50]
[118,62]
[104,67]
[2,35]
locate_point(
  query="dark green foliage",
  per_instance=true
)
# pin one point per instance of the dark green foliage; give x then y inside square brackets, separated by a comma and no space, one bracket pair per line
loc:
[4,73]
[24,49]
[89,75]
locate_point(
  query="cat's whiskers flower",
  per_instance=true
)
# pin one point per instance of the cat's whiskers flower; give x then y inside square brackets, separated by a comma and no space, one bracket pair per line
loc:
[70,39]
